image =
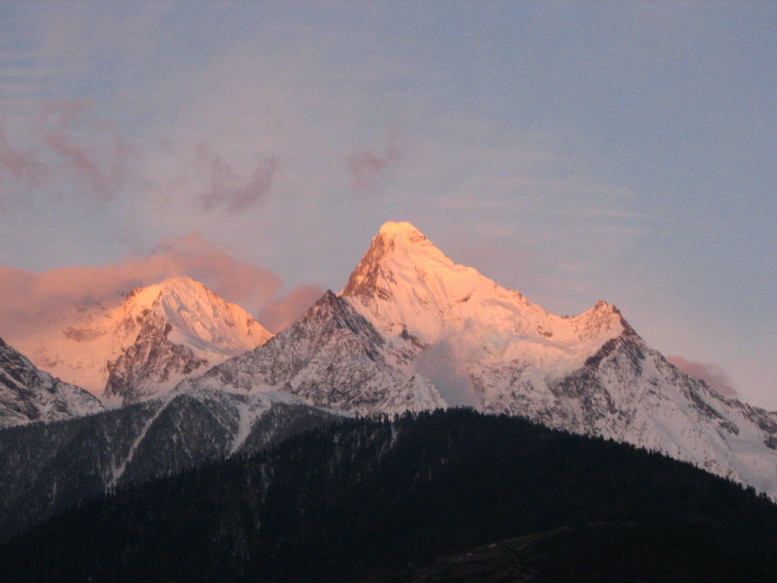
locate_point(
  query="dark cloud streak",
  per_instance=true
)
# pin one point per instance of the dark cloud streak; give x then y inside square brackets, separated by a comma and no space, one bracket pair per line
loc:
[231,189]
[367,167]
[20,167]
[68,143]
[100,163]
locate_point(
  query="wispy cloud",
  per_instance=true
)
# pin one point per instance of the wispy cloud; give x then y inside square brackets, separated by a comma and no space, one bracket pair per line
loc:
[368,165]
[440,363]
[712,374]
[20,169]
[92,151]
[229,188]
[67,144]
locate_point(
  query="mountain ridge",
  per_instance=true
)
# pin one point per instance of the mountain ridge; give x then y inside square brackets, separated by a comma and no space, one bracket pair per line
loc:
[412,330]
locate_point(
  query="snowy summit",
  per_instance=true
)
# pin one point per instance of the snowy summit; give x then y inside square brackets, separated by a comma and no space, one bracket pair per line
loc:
[146,342]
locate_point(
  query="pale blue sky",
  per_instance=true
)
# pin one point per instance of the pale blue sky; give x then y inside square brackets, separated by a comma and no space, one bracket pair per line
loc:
[573,151]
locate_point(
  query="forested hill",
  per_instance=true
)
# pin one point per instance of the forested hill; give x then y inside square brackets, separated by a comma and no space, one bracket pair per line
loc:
[362,500]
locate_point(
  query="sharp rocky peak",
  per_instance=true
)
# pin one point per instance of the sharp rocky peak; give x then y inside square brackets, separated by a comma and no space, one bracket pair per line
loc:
[327,306]
[397,248]
[329,310]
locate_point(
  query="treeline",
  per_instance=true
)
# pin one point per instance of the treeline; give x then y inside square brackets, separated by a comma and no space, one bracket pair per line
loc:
[362,499]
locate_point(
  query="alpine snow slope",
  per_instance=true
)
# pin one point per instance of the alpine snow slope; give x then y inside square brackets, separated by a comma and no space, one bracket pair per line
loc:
[29,394]
[146,342]
[413,330]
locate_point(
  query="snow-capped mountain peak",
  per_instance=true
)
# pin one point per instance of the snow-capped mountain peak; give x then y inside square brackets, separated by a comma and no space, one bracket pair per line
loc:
[202,319]
[145,342]
[489,347]
[399,253]
[413,293]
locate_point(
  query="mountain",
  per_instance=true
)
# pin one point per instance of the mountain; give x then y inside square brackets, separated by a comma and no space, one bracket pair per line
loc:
[422,303]
[47,468]
[379,500]
[331,357]
[413,330]
[490,347]
[145,343]
[29,394]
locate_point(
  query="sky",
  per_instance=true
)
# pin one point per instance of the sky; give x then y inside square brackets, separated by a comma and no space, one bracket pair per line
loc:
[574,151]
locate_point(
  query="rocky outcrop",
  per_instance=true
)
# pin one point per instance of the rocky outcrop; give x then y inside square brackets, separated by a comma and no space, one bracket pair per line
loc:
[29,394]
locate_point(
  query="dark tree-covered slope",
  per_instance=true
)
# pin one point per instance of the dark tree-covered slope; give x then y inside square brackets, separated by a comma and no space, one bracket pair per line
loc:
[48,468]
[363,499]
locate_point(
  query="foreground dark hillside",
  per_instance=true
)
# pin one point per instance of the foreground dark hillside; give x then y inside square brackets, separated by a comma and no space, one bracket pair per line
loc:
[364,499]
[46,468]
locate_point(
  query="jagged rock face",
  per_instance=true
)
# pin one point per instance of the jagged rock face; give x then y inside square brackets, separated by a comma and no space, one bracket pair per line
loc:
[152,361]
[332,357]
[146,342]
[46,468]
[28,394]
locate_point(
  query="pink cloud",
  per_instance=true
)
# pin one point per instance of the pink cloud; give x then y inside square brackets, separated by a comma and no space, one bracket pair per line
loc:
[30,302]
[712,374]
[236,281]
[278,315]
[367,166]
[230,188]
[71,149]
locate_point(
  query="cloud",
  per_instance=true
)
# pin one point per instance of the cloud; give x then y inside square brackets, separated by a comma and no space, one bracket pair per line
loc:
[97,156]
[250,286]
[68,144]
[367,167]
[712,374]
[444,362]
[278,315]
[33,302]
[69,148]
[230,188]
[440,363]
[20,169]
[93,152]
